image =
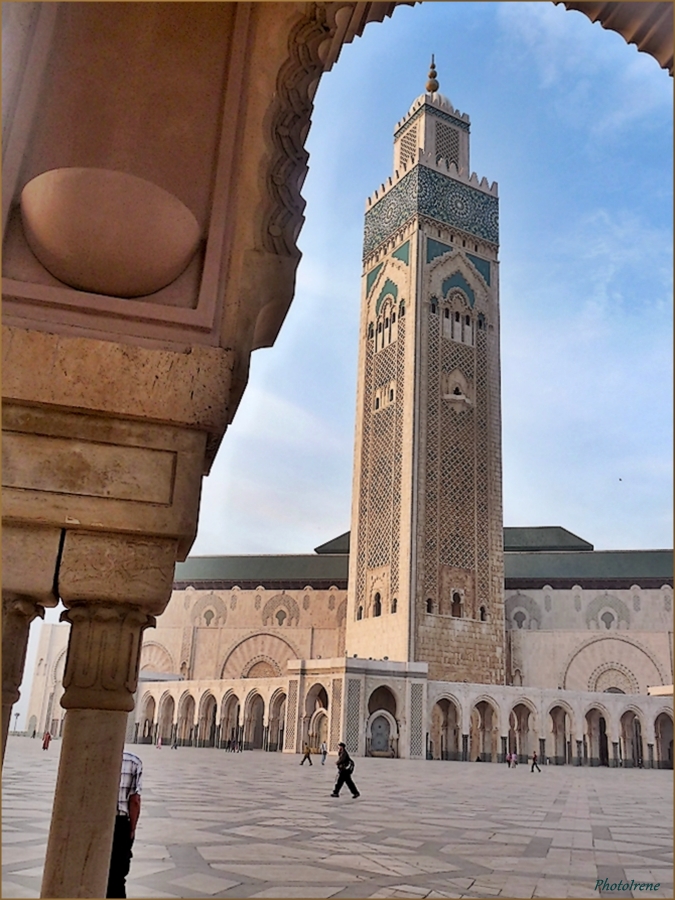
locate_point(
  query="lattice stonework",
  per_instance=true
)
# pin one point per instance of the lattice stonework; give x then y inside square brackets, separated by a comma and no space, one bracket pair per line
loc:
[408,146]
[447,143]
[335,713]
[353,715]
[416,711]
[381,462]
[291,715]
[483,475]
[431,491]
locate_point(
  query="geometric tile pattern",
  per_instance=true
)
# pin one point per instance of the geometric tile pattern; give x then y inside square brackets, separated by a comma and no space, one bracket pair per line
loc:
[424,191]
[254,824]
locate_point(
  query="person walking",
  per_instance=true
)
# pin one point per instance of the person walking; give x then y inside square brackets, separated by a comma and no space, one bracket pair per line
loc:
[345,766]
[324,752]
[534,763]
[45,740]
[128,811]
[307,755]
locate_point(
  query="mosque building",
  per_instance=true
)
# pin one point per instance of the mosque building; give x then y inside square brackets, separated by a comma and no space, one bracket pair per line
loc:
[429,630]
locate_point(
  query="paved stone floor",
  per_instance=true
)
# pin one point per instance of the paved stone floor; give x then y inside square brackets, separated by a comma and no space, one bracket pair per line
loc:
[255,824]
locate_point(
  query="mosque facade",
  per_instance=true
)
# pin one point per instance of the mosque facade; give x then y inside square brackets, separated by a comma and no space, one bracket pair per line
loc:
[429,630]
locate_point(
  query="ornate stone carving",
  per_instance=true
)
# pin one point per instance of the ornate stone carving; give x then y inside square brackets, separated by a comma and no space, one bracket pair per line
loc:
[103,656]
[17,614]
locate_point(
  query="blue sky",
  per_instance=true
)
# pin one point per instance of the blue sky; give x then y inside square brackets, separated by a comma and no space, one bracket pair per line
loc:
[576,127]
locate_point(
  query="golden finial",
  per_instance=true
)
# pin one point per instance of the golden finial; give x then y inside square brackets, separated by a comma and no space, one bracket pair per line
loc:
[432,83]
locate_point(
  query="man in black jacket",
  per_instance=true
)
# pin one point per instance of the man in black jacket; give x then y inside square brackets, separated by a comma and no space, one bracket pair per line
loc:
[345,765]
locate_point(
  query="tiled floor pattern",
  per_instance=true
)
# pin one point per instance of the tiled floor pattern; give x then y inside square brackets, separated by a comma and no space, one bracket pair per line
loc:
[255,824]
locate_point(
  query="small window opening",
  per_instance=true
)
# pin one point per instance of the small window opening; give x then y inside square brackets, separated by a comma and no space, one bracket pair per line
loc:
[468,320]
[371,330]
[475,247]
[377,403]
[430,605]
[377,606]
[393,318]
[456,606]
[446,312]
[359,613]
[457,392]
[386,323]
[402,311]
[519,618]
[379,327]
[433,307]
[608,619]
[456,317]
[483,614]
[394,603]
[463,243]
[391,394]
[208,616]
[280,617]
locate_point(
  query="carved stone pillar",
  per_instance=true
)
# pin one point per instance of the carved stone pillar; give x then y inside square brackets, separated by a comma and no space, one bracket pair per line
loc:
[17,614]
[28,564]
[113,586]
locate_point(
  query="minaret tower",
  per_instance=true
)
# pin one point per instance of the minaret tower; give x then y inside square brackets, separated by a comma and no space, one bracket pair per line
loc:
[426,571]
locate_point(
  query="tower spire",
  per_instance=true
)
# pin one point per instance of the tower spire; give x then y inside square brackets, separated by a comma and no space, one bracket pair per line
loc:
[432,83]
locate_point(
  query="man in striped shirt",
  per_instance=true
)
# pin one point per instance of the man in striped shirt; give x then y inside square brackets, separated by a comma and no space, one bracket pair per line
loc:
[128,811]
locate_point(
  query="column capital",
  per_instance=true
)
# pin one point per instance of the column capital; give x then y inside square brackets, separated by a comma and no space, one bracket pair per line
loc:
[103,656]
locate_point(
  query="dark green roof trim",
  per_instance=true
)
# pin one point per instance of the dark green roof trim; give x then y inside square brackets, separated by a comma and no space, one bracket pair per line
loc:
[626,566]
[263,569]
[543,537]
[337,545]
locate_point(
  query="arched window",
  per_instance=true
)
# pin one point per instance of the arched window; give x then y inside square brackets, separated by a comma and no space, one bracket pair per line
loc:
[433,307]
[457,392]
[359,613]
[468,320]
[456,317]
[430,605]
[401,310]
[394,604]
[377,403]
[208,616]
[446,312]
[371,330]
[393,318]
[377,606]
[379,327]
[481,321]
[386,323]
[280,616]
[456,605]
[483,614]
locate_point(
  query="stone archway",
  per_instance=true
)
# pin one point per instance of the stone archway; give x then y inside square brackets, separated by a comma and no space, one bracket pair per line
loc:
[186,720]
[316,700]
[663,731]
[207,724]
[253,722]
[521,739]
[147,729]
[595,742]
[165,718]
[484,732]
[559,746]
[382,733]
[445,730]
[630,740]
[277,717]
[229,721]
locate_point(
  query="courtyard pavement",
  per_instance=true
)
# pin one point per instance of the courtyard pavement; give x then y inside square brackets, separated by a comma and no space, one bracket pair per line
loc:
[217,824]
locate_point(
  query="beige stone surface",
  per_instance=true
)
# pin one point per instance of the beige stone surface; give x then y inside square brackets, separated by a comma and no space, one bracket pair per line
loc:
[29,562]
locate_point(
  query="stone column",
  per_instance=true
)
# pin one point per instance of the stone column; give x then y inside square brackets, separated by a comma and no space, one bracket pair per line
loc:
[465,747]
[649,764]
[113,585]
[579,753]
[614,763]
[29,558]
[502,756]
[542,751]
